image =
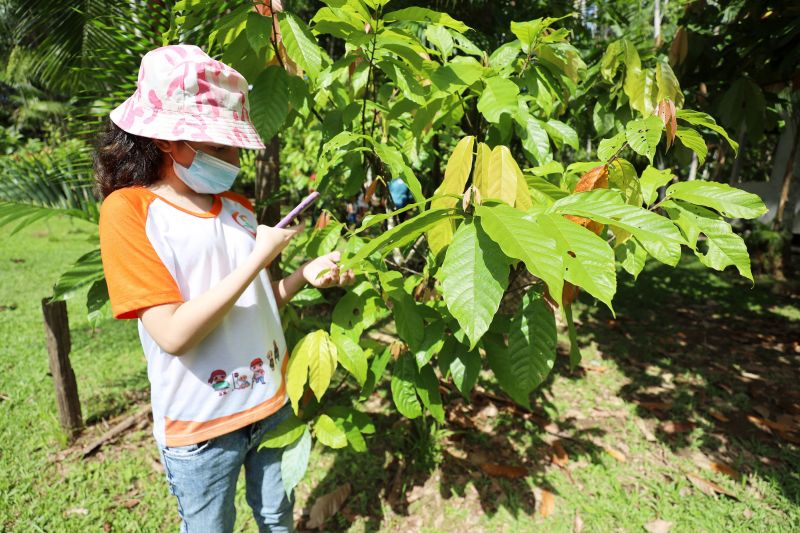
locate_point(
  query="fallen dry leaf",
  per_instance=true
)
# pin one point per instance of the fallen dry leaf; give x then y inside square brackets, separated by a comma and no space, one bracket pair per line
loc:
[506,471]
[718,415]
[655,406]
[722,468]
[130,504]
[548,504]
[559,456]
[76,511]
[326,506]
[648,435]
[577,524]
[616,454]
[671,427]
[658,526]
[708,487]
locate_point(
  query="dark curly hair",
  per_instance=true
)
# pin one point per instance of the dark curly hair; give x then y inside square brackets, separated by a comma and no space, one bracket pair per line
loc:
[123,159]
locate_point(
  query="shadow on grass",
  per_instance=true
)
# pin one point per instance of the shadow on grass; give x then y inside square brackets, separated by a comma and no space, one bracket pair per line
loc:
[713,362]
[411,461]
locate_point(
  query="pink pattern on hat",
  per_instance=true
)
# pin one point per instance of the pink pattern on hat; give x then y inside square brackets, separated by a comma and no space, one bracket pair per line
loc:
[182,93]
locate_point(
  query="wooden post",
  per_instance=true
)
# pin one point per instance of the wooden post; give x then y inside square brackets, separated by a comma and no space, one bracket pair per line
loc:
[56,330]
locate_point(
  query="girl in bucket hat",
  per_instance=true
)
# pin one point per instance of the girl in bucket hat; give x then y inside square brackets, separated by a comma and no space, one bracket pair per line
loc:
[186,257]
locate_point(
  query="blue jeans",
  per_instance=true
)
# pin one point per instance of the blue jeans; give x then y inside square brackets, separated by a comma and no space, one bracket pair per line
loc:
[203,478]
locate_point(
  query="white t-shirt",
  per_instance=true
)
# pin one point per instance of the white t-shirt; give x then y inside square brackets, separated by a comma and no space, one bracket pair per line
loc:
[155,252]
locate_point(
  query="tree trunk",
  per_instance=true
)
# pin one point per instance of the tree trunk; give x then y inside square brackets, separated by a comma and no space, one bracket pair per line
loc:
[784,215]
[57,337]
[268,183]
[657,22]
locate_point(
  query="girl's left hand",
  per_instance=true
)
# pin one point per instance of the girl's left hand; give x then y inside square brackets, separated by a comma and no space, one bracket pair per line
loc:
[327,264]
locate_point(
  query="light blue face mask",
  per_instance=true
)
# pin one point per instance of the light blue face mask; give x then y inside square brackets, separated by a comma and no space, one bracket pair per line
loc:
[207,174]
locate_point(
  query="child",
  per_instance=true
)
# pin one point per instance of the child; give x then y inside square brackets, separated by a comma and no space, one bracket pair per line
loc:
[187,258]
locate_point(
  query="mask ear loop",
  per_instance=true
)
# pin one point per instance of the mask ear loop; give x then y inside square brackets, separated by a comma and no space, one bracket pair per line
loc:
[190,148]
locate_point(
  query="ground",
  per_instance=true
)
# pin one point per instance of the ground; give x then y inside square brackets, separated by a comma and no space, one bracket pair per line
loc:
[685,412]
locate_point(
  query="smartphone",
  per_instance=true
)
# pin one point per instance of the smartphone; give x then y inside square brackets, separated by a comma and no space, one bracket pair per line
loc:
[294,213]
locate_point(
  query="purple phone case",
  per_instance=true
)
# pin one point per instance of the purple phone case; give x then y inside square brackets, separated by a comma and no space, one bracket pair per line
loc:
[302,206]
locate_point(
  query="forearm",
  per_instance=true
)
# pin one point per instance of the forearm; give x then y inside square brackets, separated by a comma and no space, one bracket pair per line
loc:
[180,327]
[286,288]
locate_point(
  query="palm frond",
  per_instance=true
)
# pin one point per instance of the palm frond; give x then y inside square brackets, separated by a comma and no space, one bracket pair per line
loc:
[48,183]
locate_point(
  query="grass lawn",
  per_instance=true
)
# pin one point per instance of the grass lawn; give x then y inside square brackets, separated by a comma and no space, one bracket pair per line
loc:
[685,409]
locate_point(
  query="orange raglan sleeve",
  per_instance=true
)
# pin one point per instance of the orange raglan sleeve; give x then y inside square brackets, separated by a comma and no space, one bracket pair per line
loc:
[135,275]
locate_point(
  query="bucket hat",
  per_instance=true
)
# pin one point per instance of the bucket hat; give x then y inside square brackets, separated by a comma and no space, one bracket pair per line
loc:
[183,94]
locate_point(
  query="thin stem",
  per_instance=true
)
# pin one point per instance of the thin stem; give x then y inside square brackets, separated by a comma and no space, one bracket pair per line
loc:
[616,154]
[369,72]
[274,37]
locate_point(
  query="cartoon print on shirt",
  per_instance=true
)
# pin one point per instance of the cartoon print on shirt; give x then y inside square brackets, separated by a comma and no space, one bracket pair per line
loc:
[219,382]
[276,351]
[240,380]
[257,366]
[241,219]
[271,359]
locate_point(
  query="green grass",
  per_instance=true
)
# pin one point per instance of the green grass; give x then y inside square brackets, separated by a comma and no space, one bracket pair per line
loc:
[683,336]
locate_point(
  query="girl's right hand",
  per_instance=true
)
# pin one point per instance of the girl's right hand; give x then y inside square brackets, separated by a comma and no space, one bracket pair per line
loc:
[271,241]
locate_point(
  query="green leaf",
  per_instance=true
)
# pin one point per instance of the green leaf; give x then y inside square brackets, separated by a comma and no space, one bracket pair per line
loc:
[404,78]
[428,391]
[376,370]
[729,201]
[532,341]
[441,39]
[459,73]
[698,118]
[588,260]
[503,173]
[653,179]
[351,357]
[462,365]
[657,234]
[404,390]
[294,461]
[85,271]
[632,256]
[505,55]
[608,147]
[258,31]
[561,133]
[521,237]
[354,423]
[421,14]
[394,160]
[400,235]
[725,248]
[405,310]
[455,179]
[535,141]
[667,83]
[531,351]
[328,433]
[498,97]
[643,135]
[323,241]
[480,176]
[98,306]
[474,277]
[284,434]
[432,341]
[622,176]
[269,102]
[693,141]
[301,45]
[314,360]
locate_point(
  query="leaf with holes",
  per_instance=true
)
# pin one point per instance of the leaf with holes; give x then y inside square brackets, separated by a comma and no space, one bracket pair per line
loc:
[643,136]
